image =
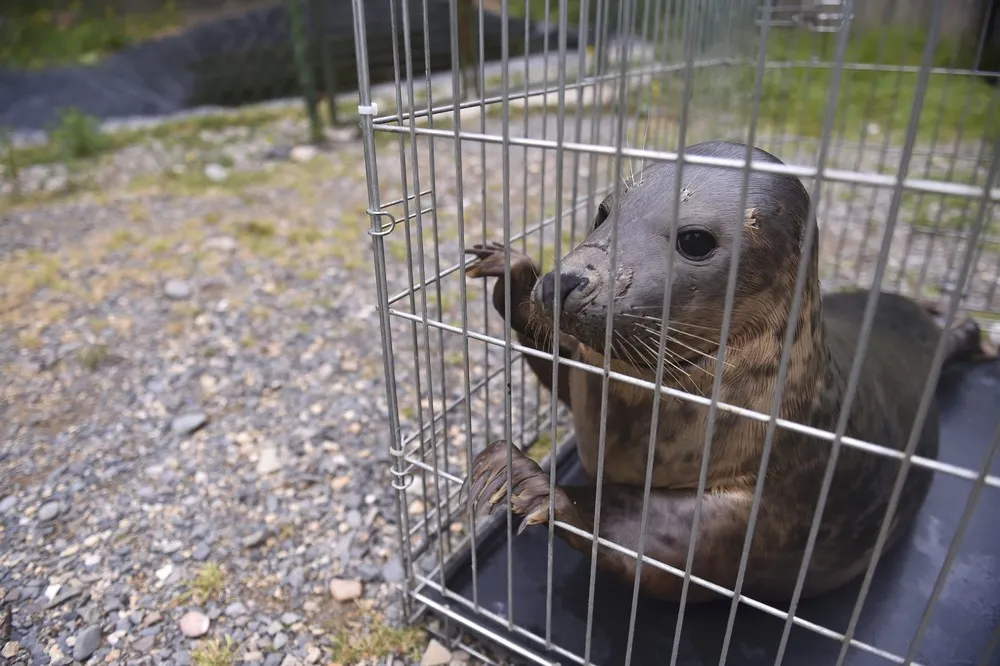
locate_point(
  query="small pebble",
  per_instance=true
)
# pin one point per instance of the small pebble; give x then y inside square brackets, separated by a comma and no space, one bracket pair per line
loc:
[436,655]
[236,609]
[392,571]
[10,650]
[186,424]
[201,552]
[144,644]
[269,462]
[87,642]
[216,172]
[303,153]
[177,290]
[49,511]
[254,539]
[345,590]
[8,503]
[220,244]
[194,624]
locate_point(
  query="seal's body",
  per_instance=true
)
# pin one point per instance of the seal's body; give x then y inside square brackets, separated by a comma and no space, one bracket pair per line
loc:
[773,225]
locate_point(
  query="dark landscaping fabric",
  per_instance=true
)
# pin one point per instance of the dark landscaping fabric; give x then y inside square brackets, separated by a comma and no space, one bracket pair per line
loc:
[244,59]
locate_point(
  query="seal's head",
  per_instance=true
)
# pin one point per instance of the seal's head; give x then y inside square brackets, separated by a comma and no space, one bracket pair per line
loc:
[709,216]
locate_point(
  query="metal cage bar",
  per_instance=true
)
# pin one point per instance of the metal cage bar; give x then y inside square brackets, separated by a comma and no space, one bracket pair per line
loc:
[640,73]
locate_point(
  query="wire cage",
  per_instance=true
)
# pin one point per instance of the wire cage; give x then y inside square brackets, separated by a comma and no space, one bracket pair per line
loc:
[894,137]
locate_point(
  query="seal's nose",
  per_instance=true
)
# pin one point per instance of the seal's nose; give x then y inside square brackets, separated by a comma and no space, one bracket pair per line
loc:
[568,283]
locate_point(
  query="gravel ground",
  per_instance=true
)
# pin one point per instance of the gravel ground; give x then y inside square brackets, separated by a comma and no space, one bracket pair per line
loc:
[195,465]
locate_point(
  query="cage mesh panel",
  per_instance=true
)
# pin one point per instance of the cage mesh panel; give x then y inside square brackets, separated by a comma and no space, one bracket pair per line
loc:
[911,206]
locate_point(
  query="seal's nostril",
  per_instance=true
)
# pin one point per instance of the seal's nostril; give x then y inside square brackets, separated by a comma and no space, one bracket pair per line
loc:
[568,283]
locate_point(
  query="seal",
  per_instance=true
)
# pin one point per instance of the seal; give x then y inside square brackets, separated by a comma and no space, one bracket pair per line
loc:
[773,224]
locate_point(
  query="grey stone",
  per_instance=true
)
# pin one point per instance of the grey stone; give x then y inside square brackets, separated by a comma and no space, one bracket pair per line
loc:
[171,547]
[289,618]
[254,539]
[201,552]
[87,642]
[393,571]
[144,644]
[8,503]
[280,640]
[49,511]
[177,290]
[273,659]
[236,609]
[297,578]
[186,424]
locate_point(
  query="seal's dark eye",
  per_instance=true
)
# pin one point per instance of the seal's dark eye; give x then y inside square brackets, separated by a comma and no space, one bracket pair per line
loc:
[695,245]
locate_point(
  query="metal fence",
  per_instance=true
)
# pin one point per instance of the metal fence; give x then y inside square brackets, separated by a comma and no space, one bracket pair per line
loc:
[898,155]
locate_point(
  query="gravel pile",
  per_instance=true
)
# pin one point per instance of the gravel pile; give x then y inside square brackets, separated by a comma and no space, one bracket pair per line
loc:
[195,460]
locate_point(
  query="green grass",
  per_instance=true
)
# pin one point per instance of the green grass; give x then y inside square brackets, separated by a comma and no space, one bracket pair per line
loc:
[799,97]
[92,356]
[78,136]
[207,584]
[215,652]
[36,38]
[369,638]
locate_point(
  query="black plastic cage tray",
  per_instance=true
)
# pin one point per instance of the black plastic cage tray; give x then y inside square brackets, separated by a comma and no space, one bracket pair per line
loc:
[963,627]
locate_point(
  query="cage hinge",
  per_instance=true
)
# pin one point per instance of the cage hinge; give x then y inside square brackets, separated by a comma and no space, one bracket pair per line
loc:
[819,16]
[404,477]
[384,229]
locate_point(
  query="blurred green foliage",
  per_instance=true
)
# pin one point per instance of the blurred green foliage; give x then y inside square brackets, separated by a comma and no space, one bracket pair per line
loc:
[952,103]
[33,37]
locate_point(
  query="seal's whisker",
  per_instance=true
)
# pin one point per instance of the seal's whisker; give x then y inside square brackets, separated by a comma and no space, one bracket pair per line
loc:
[674,339]
[672,328]
[673,322]
[650,361]
[712,357]
[636,364]
[666,358]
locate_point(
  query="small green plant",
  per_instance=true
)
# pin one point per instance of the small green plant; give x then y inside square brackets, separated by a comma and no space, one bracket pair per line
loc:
[207,584]
[369,638]
[11,162]
[215,652]
[78,136]
[92,356]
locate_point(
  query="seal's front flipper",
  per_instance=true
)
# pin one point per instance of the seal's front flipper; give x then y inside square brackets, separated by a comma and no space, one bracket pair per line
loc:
[530,494]
[966,339]
[524,273]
